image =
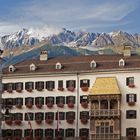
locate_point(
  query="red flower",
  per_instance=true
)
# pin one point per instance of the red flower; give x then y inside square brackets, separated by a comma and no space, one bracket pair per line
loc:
[60,88]
[29,105]
[38,121]
[60,105]
[84,88]
[49,121]
[9,90]
[49,105]
[39,105]
[84,120]
[84,104]
[18,90]
[70,120]
[131,85]
[71,105]
[71,89]
[18,122]
[8,122]
[29,89]
[19,106]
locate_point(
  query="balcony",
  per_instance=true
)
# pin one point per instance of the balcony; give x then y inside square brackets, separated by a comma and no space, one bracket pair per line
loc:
[105,136]
[105,113]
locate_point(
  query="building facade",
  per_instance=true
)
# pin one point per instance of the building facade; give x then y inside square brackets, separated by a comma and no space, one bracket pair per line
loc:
[86,97]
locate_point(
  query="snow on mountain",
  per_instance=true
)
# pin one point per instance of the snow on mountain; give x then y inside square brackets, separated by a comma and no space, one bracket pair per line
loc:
[62,36]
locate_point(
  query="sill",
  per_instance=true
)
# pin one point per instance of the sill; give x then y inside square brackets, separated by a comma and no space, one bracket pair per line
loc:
[131,86]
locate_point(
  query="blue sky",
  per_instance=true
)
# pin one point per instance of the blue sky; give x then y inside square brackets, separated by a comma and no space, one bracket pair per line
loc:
[90,15]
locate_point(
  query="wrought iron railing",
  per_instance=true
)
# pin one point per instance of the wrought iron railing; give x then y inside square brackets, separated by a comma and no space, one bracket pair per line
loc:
[107,136]
[105,112]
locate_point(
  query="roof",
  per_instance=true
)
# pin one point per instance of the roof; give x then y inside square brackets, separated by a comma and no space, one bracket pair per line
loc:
[76,64]
[105,85]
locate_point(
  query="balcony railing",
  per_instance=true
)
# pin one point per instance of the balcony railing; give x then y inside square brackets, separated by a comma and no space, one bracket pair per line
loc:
[101,136]
[105,112]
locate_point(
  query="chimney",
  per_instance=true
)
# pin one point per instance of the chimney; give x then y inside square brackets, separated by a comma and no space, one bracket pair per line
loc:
[127,51]
[44,55]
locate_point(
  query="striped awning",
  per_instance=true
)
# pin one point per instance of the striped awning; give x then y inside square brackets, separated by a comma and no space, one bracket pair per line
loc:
[105,85]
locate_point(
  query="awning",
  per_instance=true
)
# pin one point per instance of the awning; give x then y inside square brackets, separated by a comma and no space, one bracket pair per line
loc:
[105,85]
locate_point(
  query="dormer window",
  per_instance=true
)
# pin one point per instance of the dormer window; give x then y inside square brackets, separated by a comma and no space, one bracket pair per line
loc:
[93,64]
[121,63]
[33,67]
[11,68]
[58,66]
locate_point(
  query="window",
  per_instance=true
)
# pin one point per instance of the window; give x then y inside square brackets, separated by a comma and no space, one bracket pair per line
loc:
[70,115]
[83,99]
[70,99]
[19,86]
[29,86]
[59,133]
[61,115]
[70,132]
[58,65]
[93,64]
[39,85]
[84,83]
[39,116]
[9,102]
[49,133]
[29,116]
[60,101]
[18,133]
[121,63]
[60,85]
[18,116]
[84,132]
[131,114]
[131,132]
[131,98]
[70,85]
[130,82]
[33,67]
[50,85]
[39,132]
[39,101]
[49,115]
[29,102]
[84,114]
[7,133]
[28,132]
[9,87]
[19,102]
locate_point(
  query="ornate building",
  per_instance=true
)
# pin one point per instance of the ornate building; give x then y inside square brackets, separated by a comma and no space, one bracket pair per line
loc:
[86,97]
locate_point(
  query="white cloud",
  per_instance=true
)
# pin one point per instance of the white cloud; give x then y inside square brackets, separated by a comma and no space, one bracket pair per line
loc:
[71,14]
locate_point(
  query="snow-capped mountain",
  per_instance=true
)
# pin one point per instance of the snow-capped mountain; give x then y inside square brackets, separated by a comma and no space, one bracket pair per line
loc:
[85,39]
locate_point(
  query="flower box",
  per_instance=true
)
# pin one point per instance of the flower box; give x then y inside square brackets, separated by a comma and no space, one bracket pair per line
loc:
[48,138]
[9,122]
[61,88]
[17,138]
[49,121]
[83,138]
[39,105]
[61,105]
[19,106]
[50,89]
[70,120]
[29,105]
[59,138]
[131,86]
[28,138]
[71,105]
[39,89]
[18,122]
[131,103]
[38,138]
[84,120]
[49,105]
[19,90]
[84,88]
[84,104]
[29,90]
[71,89]
[38,121]
[9,90]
